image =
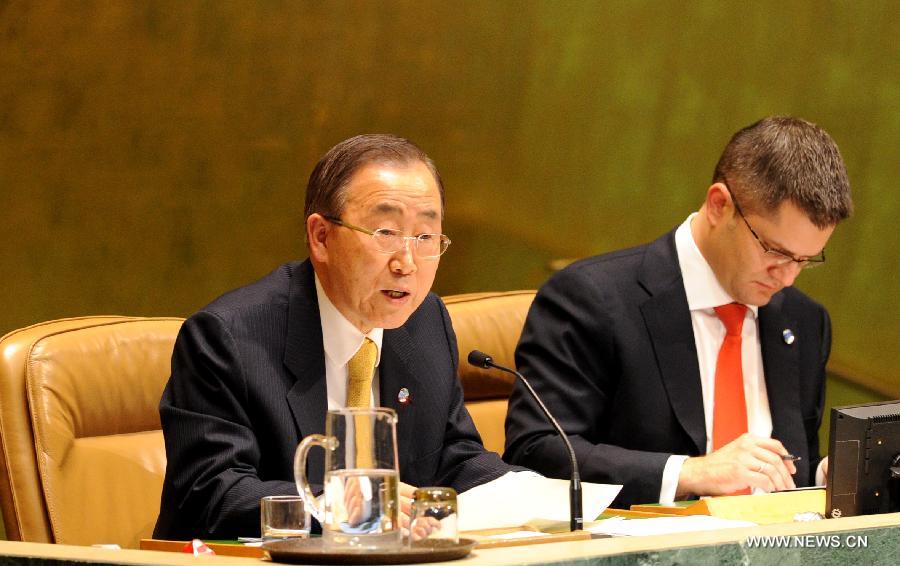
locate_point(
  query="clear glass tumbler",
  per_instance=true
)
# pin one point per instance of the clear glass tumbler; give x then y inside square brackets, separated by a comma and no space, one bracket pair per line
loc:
[433,518]
[282,517]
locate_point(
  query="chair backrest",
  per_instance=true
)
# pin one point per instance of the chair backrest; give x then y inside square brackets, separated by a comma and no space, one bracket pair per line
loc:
[82,457]
[82,451]
[492,323]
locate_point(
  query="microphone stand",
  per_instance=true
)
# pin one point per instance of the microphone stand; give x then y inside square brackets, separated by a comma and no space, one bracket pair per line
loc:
[576,521]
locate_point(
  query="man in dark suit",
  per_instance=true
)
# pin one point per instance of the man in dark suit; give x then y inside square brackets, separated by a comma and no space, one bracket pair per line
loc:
[689,366]
[255,371]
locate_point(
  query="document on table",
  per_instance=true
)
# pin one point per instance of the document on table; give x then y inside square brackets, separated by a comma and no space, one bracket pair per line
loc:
[620,526]
[521,497]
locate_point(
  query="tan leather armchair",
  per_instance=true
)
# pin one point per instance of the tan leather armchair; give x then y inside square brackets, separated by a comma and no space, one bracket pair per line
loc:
[82,451]
[492,323]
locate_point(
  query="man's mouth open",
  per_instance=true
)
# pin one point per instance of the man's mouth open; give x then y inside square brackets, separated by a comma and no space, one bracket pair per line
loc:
[395,294]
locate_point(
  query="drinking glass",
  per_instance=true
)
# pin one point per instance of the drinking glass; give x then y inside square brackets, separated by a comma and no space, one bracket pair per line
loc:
[433,518]
[283,516]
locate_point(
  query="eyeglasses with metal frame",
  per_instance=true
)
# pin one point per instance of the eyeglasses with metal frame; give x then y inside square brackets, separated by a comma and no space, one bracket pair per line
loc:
[779,257]
[391,241]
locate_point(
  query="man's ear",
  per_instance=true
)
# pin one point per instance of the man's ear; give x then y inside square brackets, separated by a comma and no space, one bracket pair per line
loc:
[317,231]
[718,204]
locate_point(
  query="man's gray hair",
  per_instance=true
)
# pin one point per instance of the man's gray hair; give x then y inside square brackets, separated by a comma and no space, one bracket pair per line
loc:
[326,190]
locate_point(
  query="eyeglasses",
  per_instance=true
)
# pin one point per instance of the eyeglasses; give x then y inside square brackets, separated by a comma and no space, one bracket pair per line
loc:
[779,257]
[392,241]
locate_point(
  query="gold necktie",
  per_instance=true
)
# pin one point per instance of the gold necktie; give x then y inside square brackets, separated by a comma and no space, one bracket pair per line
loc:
[361,370]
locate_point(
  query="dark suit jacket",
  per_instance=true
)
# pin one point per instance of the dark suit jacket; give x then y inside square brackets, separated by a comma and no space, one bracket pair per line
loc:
[248,382]
[609,346]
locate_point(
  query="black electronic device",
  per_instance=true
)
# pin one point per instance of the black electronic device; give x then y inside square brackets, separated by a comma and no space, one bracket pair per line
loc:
[864,460]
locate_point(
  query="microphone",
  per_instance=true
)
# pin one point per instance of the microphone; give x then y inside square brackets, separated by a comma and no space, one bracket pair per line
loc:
[576,522]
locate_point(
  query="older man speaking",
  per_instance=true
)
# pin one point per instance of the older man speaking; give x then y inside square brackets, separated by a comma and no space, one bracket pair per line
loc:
[257,369]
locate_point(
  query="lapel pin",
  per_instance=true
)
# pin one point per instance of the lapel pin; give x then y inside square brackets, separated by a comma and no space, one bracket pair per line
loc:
[403,396]
[788,336]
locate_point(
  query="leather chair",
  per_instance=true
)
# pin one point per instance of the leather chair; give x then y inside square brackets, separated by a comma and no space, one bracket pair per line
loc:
[492,323]
[82,452]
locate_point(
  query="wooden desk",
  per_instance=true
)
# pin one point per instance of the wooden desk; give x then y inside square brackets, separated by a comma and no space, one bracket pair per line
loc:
[881,532]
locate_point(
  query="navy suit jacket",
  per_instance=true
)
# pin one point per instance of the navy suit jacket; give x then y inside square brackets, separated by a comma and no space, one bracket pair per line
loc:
[248,383]
[609,346]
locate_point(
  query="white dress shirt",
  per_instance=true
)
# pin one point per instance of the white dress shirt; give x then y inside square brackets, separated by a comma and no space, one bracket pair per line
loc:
[704,293]
[341,341]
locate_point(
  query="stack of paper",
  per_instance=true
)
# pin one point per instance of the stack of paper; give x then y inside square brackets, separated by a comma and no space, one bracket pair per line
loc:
[520,498]
[620,526]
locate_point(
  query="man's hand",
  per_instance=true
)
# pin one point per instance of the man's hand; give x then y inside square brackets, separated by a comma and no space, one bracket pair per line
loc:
[406,494]
[354,503]
[747,461]
[424,525]
[822,473]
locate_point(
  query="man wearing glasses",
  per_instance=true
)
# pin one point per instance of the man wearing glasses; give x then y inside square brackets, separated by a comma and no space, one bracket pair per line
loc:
[690,366]
[255,371]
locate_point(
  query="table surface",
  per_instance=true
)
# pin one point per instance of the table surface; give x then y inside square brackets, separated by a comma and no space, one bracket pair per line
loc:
[710,547]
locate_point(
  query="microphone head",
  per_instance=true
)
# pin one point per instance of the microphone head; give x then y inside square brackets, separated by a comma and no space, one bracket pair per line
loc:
[479,359]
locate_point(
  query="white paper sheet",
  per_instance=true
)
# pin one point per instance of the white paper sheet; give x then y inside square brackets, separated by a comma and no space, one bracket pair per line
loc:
[620,526]
[517,535]
[520,497]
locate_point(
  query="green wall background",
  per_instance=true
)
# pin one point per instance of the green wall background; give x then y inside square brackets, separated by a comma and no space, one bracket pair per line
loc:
[154,154]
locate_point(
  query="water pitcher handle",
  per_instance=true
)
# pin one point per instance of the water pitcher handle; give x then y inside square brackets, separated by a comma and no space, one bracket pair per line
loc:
[309,500]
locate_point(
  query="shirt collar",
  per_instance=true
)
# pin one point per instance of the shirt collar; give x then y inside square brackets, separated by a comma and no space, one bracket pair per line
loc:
[340,338]
[704,292]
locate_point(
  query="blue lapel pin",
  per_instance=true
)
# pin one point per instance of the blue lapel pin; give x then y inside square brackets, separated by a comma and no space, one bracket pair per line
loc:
[788,336]
[403,396]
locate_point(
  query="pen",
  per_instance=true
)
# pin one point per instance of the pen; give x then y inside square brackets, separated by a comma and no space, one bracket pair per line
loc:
[791,457]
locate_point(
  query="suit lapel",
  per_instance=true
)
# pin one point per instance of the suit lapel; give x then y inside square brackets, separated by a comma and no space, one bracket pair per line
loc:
[668,322]
[781,368]
[304,356]
[396,372]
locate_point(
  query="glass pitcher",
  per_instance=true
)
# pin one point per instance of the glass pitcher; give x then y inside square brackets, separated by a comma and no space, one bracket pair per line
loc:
[360,508]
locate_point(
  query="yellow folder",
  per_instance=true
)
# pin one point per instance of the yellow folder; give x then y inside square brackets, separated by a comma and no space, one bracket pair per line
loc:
[765,509]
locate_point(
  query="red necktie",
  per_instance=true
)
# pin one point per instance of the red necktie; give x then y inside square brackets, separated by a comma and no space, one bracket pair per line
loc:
[729,407]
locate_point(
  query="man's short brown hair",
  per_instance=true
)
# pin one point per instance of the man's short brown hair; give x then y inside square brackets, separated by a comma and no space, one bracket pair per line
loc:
[325,191]
[782,158]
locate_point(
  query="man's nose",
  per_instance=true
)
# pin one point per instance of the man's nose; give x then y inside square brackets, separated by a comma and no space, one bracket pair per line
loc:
[786,273]
[404,261]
